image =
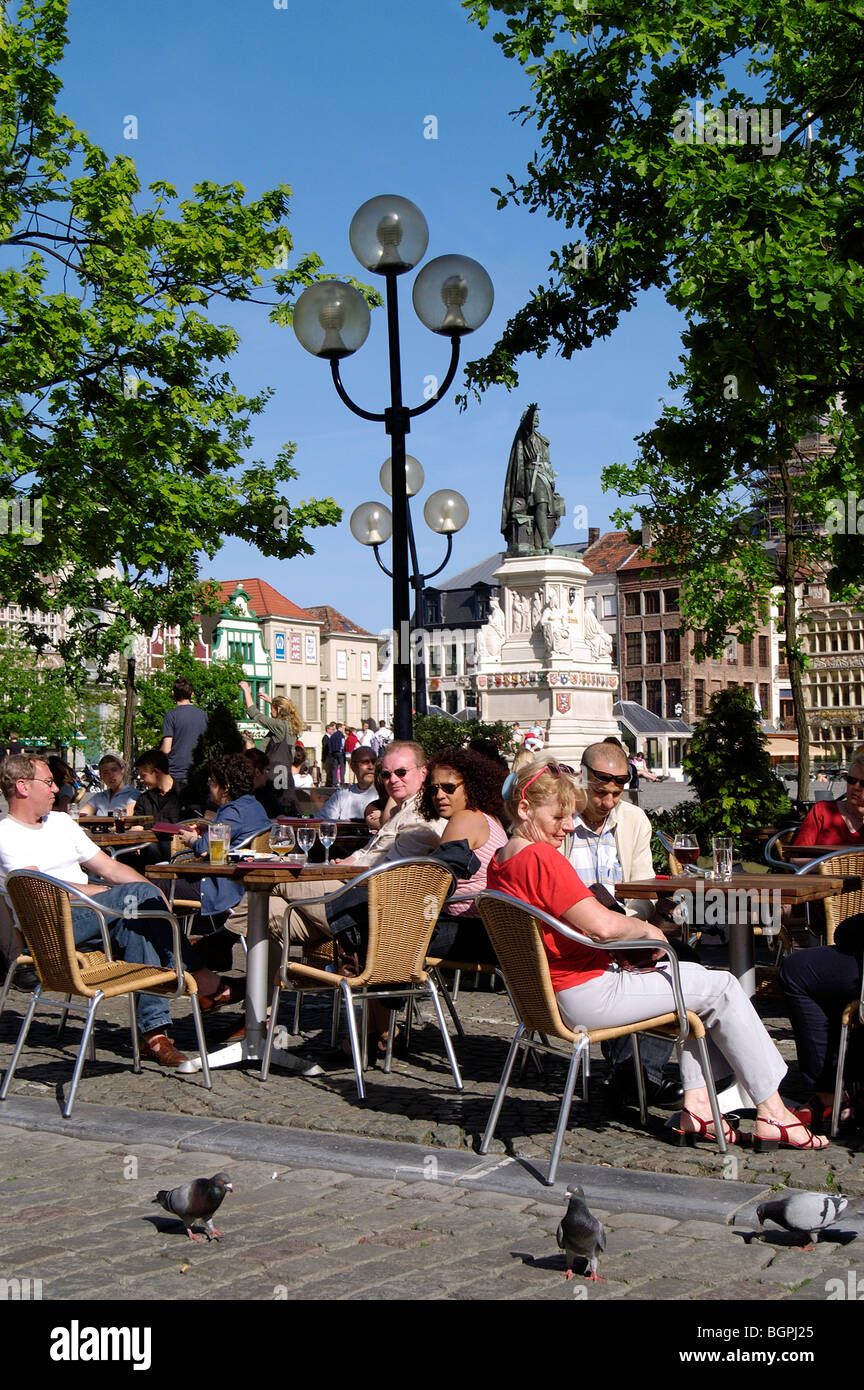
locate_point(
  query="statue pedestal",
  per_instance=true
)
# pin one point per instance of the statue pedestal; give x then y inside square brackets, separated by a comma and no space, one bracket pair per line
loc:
[553,669]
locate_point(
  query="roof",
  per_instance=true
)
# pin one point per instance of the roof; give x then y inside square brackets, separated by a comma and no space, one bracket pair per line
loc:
[265,601]
[641,721]
[334,621]
[609,553]
[481,573]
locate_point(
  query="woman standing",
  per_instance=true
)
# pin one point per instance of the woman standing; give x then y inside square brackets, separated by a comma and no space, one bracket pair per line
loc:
[593,991]
[283,725]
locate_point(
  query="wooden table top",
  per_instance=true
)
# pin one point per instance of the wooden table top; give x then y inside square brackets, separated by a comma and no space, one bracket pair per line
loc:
[256,873]
[106,822]
[112,838]
[793,888]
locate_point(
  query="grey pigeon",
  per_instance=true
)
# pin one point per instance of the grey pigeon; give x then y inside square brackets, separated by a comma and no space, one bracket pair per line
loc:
[804,1213]
[196,1201]
[580,1236]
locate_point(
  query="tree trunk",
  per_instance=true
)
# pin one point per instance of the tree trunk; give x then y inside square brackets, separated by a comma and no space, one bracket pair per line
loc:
[129,713]
[790,627]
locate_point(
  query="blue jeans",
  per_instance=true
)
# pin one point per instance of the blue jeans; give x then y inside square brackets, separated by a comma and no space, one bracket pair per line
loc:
[140,943]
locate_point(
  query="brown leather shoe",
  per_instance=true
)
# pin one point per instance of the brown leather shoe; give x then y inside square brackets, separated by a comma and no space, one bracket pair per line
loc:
[158,1047]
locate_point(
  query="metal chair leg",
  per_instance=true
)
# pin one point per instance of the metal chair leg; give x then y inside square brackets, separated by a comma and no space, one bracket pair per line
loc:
[712,1095]
[448,1001]
[79,1060]
[838,1082]
[640,1079]
[353,1035]
[451,1055]
[136,1046]
[22,1038]
[7,984]
[202,1041]
[270,1033]
[489,1131]
[580,1048]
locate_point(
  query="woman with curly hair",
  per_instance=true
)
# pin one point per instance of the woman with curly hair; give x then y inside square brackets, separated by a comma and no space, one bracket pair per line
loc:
[464,788]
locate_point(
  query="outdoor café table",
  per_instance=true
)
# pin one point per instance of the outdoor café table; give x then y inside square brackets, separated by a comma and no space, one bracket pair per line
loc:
[122,839]
[783,890]
[259,878]
[793,852]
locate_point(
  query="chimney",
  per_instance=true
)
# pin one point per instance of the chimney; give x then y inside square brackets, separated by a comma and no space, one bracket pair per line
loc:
[593,534]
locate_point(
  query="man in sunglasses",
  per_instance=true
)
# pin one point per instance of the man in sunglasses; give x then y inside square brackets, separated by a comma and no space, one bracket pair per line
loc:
[405,833]
[611,843]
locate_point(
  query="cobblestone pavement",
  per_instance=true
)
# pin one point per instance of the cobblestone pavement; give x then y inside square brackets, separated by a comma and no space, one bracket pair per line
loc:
[418,1102]
[78,1216]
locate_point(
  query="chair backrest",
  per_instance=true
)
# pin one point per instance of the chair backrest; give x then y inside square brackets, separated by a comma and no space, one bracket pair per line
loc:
[777,848]
[405,900]
[516,936]
[11,940]
[847,904]
[44,919]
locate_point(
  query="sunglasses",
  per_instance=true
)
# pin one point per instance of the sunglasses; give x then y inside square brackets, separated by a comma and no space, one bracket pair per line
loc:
[854,781]
[397,772]
[447,787]
[556,770]
[607,777]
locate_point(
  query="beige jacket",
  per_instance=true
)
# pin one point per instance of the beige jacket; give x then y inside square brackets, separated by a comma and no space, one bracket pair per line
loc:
[405,834]
[633,843]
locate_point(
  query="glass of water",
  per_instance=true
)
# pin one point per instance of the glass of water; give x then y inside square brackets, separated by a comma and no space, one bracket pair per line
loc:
[721,847]
[306,837]
[327,836]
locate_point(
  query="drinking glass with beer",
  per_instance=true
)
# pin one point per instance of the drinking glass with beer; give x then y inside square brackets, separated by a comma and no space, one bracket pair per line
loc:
[218,839]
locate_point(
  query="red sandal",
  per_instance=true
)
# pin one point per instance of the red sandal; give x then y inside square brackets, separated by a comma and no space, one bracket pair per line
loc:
[761,1146]
[706,1131]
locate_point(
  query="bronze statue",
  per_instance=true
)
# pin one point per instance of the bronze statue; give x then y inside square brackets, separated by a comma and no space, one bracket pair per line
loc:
[532,507]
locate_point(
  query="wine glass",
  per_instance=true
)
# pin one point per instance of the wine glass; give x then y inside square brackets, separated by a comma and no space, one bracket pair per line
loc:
[327,836]
[686,851]
[306,837]
[281,838]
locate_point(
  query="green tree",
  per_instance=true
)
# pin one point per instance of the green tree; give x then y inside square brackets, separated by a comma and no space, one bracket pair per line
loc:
[119,424]
[434,731]
[216,684]
[34,699]
[661,152]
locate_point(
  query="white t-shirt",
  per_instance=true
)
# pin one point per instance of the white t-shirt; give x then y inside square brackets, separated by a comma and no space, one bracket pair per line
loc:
[57,846]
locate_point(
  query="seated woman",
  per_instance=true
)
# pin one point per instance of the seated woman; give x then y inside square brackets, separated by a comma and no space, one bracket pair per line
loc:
[64,781]
[592,990]
[464,788]
[821,981]
[839,822]
[231,781]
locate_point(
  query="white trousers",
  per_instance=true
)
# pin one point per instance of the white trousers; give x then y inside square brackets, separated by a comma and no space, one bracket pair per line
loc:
[737,1039]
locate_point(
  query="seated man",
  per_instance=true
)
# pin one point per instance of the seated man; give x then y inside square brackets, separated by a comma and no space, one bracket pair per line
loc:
[406,833]
[118,796]
[349,803]
[161,800]
[611,843]
[33,836]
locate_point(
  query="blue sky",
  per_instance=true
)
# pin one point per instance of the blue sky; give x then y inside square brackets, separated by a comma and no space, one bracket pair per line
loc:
[331,99]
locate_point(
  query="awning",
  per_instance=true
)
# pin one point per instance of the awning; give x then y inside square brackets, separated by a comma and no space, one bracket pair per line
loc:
[782,745]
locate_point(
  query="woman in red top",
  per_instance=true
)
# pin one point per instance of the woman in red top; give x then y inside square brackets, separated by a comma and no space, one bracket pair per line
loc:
[593,992]
[838,822]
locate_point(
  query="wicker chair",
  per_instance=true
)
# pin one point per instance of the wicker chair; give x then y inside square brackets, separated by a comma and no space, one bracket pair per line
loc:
[405,899]
[776,850]
[43,910]
[515,931]
[849,902]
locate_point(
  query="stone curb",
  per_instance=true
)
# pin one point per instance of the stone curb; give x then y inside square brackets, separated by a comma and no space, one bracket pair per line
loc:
[609,1189]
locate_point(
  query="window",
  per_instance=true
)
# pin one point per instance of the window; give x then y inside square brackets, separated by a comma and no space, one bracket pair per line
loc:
[747,653]
[653,699]
[673,644]
[435,661]
[365,706]
[765,698]
[481,607]
[652,601]
[296,697]
[652,647]
[673,698]
[670,600]
[610,605]
[311,703]
[340,708]
[731,651]
[450,662]
[634,648]
[699,699]
[634,692]
[433,608]
[764,652]
[631,605]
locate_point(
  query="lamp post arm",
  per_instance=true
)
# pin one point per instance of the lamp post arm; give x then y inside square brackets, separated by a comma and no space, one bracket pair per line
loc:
[345,398]
[446,383]
[432,573]
[381,564]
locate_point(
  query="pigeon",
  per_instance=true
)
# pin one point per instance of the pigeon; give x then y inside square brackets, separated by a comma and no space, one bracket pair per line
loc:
[803,1213]
[580,1236]
[196,1201]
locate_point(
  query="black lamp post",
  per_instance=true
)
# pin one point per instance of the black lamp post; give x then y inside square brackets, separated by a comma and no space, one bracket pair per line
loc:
[452,296]
[445,512]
